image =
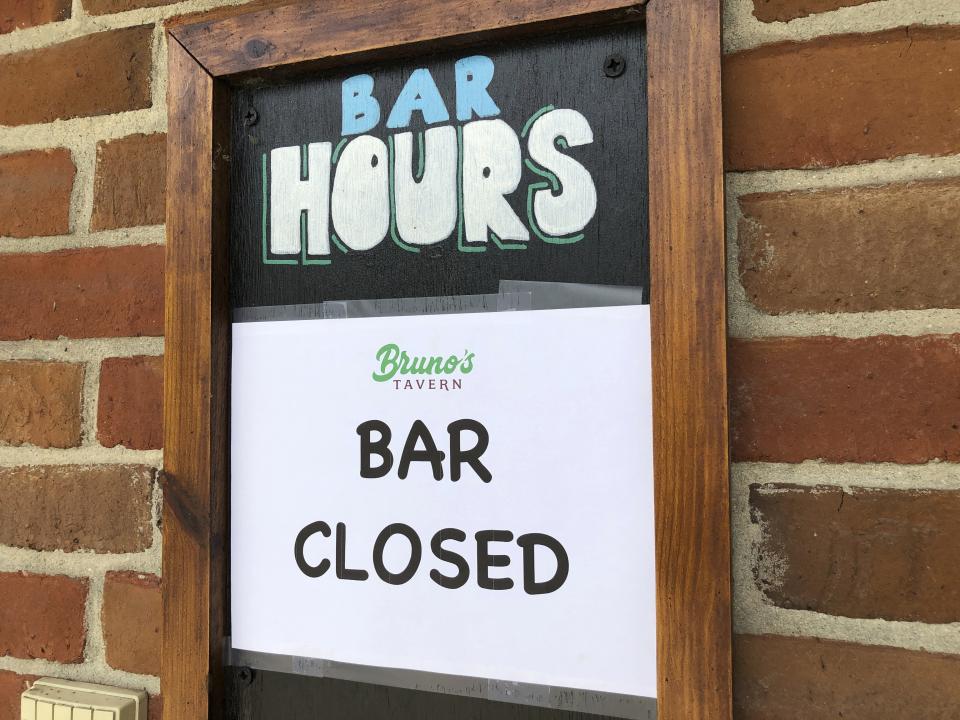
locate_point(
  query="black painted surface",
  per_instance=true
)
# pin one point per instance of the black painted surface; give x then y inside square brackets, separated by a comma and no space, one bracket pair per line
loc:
[279,696]
[567,72]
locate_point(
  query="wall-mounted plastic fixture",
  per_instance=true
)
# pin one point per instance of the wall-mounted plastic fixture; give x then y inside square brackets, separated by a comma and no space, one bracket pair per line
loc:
[52,699]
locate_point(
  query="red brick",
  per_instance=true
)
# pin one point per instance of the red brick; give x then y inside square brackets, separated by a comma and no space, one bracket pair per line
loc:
[40,403]
[97,74]
[94,292]
[843,99]
[131,619]
[130,183]
[103,508]
[877,399]
[131,403]
[41,616]
[105,7]
[786,10]
[797,678]
[11,686]
[35,188]
[16,14]
[866,553]
[852,249]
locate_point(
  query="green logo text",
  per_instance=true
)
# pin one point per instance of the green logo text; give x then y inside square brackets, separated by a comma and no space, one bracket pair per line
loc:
[394,361]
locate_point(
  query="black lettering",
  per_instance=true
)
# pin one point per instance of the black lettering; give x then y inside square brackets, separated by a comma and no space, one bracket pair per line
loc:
[459,456]
[416,552]
[313,571]
[343,572]
[529,542]
[429,454]
[485,560]
[463,570]
[368,447]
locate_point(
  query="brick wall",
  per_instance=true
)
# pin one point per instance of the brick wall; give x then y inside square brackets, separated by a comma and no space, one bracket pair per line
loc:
[842,148]
[843,159]
[82,176]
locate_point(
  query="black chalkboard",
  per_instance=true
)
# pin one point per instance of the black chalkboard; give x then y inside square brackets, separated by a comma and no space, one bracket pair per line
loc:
[257,695]
[600,74]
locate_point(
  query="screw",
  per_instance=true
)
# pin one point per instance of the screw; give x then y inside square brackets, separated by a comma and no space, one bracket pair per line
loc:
[250,117]
[245,675]
[614,65]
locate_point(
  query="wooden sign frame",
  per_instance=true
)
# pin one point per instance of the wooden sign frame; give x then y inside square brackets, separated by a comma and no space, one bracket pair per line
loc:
[688,307]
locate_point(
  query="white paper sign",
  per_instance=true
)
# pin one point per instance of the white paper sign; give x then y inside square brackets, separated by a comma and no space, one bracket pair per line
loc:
[560,398]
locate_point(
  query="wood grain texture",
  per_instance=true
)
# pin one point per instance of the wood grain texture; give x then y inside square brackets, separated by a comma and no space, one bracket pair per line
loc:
[689,360]
[196,393]
[322,34]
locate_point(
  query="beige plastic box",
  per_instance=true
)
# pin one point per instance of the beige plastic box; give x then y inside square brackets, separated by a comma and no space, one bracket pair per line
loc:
[52,699]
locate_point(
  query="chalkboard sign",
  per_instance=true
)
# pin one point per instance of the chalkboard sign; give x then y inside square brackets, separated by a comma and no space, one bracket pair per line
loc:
[375,160]
[444,174]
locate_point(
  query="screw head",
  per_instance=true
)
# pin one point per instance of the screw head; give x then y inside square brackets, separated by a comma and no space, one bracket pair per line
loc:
[614,65]
[250,117]
[245,675]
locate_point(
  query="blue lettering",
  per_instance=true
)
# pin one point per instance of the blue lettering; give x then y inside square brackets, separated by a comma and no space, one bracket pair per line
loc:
[361,111]
[473,76]
[420,93]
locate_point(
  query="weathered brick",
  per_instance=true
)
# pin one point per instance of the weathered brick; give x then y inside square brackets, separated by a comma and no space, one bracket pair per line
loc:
[876,399]
[131,403]
[35,189]
[93,75]
[795,678]
[11,685]
[16,14]
[103,508]
[130,183]
[786,10]
[105,7]
[40,403]
[852,249]
[94,292]
[866,553]
[131,619]
[844,99]
[41,616]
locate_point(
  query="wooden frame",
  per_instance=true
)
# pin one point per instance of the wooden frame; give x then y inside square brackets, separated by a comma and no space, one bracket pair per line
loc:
[688,308]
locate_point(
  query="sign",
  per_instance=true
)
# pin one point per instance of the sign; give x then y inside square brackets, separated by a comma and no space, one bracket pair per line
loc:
[459,494]
[329,159]
[465,496]
[444,175]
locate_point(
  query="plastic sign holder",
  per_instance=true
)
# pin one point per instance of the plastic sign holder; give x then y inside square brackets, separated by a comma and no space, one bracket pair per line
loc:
[586,701]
